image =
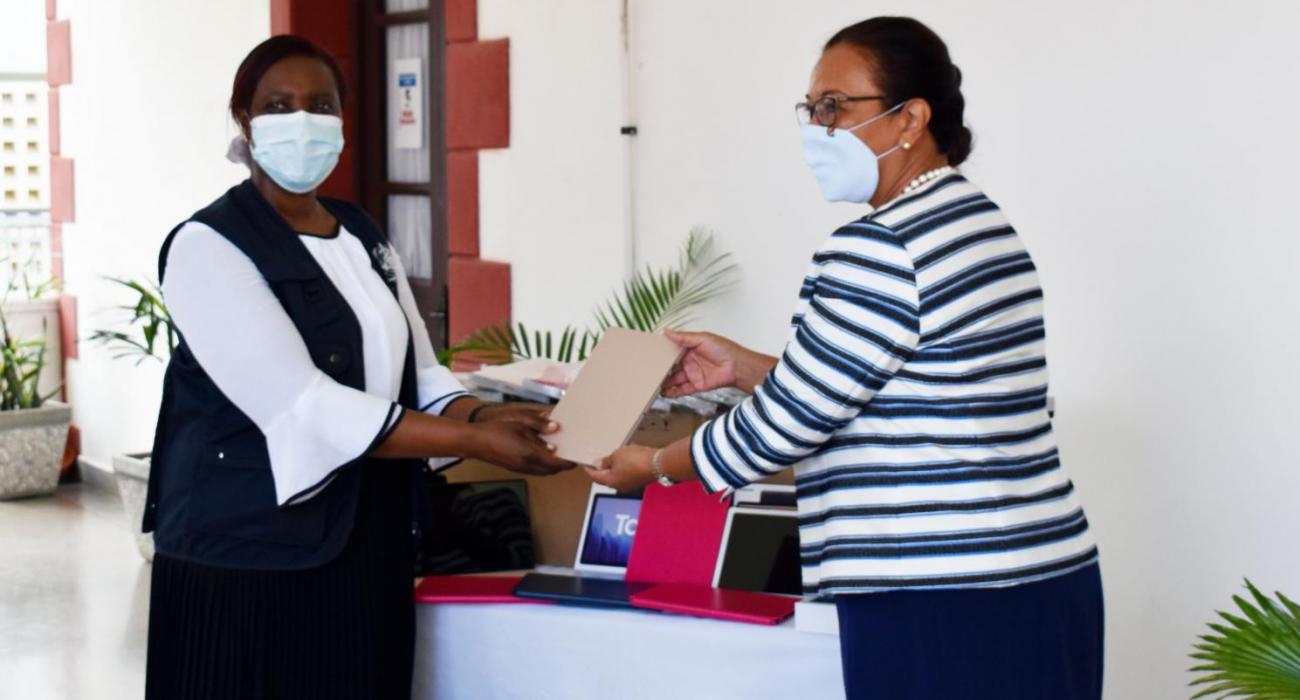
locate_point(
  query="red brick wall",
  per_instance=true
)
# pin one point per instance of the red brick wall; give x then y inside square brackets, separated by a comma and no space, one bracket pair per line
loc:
[58,48]
[478,117]
[58,72]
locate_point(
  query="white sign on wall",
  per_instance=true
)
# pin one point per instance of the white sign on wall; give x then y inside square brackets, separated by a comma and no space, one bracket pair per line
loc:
[406,116]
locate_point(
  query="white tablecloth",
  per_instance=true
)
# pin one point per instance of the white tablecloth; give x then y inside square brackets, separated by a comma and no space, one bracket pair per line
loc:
[541,652]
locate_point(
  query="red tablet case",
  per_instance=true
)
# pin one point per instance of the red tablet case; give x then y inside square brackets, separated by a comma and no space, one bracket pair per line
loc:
[678,535]
[717,603]
[470,589]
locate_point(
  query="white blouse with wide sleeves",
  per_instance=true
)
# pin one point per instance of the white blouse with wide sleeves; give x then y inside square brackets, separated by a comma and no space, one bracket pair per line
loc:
[246,343]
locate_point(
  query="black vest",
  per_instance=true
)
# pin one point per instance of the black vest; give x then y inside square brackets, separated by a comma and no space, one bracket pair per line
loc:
[211,494]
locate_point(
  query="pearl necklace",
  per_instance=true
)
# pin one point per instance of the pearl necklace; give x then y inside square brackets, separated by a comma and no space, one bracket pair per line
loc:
[927,177]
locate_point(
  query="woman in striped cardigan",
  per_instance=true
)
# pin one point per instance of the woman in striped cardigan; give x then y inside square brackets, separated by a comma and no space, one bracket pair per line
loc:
[911,401]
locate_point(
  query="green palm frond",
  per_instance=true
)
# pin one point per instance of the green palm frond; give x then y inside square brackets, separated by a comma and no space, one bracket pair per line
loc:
[22,359]
[1256,656]
[21,363]
[149,313]
[20,279]
[502,343]
[653,301]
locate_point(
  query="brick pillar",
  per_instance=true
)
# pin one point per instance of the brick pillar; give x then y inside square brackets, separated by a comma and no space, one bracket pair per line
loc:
[478,117]
[63,209]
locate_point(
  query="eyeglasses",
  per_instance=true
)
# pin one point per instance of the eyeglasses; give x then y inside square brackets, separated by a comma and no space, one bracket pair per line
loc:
[825,110]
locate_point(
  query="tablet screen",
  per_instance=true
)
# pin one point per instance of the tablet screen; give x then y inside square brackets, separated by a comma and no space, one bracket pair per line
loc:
[762,553]
[610,530]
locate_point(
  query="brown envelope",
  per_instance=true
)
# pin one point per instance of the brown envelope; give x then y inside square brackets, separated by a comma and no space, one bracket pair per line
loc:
[616,386]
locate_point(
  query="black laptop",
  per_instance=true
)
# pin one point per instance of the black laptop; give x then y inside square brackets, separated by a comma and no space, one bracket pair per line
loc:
[601,561]
[579,590]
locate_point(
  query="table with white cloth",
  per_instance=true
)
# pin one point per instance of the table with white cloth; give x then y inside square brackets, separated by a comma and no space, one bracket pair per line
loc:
[553,652]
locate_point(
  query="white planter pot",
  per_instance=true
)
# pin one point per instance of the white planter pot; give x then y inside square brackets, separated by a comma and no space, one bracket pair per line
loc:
[133,487]
[31,449]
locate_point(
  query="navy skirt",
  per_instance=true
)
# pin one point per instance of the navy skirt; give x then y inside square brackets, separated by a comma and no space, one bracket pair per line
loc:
[1032,641]
[344,630]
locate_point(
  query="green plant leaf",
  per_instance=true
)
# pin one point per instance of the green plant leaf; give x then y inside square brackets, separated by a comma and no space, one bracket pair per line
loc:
[21,362]
[149,313]
[1257,654]
[651,301]
[654,301]
[502,343]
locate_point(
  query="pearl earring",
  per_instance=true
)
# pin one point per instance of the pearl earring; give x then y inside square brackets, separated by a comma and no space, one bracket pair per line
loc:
[907,146]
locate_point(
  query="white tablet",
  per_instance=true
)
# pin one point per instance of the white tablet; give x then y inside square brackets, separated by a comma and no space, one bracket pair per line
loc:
[607,532]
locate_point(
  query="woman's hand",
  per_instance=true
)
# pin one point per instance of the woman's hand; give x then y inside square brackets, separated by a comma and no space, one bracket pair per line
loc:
[628,469]
[535,416]
[711,362]
[517,446]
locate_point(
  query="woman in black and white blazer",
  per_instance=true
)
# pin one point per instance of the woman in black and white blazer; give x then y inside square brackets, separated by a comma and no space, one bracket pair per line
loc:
[297,414]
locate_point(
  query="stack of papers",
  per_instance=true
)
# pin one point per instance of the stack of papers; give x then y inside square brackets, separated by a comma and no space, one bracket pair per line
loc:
[545,381]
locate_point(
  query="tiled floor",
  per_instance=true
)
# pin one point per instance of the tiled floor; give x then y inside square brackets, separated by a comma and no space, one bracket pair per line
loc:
[74,598]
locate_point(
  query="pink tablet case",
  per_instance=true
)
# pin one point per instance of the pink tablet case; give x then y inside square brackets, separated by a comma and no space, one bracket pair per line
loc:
[470,589]
[678,535]
[716,603]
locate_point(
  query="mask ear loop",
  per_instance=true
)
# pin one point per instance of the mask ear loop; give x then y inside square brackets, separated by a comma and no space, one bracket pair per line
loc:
[830,130]
[882,155]
[239,151]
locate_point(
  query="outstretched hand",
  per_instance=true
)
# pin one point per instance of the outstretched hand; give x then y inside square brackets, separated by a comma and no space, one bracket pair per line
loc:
[709,363]
[535,416]
[518,446]
[628,469]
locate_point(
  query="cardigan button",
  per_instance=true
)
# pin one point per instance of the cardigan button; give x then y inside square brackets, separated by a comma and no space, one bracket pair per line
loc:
[335,358]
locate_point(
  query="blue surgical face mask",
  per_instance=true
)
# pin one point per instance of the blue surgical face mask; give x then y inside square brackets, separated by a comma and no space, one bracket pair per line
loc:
[845,167]
[298,150]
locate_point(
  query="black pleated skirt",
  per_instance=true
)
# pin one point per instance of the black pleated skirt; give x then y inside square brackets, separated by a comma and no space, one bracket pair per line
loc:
[343,630]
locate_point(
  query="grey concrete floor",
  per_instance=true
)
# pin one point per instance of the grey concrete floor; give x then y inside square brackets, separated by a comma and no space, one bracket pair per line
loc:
[74,598]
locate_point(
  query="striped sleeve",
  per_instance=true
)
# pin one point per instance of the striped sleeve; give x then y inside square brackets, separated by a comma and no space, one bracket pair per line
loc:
[859,325]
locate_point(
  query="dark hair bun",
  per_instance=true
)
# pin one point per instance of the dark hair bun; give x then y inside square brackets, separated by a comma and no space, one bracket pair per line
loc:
[911,61]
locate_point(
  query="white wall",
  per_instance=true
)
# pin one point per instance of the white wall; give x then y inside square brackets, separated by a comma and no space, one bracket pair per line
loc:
[1146,152]
[22,51]
[145,120]
[552,203]
[22,36]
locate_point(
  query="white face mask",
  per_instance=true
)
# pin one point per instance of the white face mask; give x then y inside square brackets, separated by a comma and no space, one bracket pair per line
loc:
[298,150]
[845,167]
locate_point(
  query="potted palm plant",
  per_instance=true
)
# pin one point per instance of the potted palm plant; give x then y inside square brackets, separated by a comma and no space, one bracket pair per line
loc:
[650,301]
[33,428]
[1256,654]
[146,334]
